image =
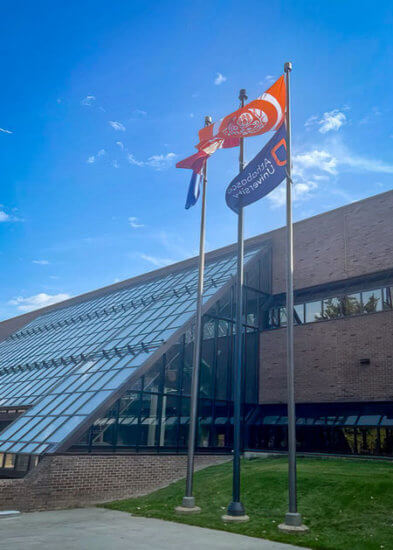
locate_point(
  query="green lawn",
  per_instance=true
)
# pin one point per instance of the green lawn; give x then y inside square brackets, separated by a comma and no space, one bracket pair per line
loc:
[348,504]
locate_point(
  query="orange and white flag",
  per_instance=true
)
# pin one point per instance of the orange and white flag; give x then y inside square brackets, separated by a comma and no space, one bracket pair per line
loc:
[257,117]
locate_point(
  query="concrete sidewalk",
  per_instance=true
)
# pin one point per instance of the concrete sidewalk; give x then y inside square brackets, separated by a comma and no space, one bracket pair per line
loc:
[99,529]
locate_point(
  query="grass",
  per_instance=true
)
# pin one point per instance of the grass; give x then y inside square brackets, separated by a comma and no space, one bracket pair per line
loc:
[348,504]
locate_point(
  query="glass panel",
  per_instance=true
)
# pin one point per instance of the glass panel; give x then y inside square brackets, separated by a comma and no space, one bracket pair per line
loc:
[184,422]
[387,297]
[207,363]
[299,309]
[187,367]
[9,461]
[386,441]
[172,369]
[367,441]
[369,420]
[149,420]
[372,301]
[205,421]
[352,304]
[332,308]
[313,311]
[223,366]
[169,421]
[283,317]
[128,433]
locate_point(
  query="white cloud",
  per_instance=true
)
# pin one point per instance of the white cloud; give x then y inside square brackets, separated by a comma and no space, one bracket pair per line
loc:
[132,160]
[118,126]
[220,78]
[115,164]
[320,165]
[37,301]
[317,159]
[5,131]
[92,159]
[157,162]
[301,191]
[157,262]
[133,221]
[88,100]
[120,144]
[160,162]
[41,262]
[4,217]
[331,120]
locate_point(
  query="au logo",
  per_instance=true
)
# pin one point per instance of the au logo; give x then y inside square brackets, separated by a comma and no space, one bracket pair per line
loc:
[281,143]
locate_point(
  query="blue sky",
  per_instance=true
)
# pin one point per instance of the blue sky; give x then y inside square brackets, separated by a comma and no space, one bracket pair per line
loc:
[100,99]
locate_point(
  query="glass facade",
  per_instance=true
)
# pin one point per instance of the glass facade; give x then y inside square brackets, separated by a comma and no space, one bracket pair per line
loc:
[154,415]
[68,366]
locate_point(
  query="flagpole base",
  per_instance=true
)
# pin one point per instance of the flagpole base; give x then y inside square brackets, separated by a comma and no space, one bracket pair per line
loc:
[234,519]
[293,524]
[187,506]
[235,513]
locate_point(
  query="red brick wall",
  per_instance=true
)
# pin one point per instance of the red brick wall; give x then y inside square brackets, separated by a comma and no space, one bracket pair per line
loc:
[65,481]
[327,356]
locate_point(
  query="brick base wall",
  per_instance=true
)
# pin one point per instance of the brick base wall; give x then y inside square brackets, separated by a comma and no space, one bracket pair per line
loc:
[64,481]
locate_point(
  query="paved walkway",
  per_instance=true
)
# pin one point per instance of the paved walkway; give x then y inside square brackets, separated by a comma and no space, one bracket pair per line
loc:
[99,529]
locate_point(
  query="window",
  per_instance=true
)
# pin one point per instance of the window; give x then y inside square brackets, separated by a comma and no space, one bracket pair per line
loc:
[283,317]
[357,303]
[372,301]
[332,308]
[352,304]
[387,299]
[313,311]
[299,312]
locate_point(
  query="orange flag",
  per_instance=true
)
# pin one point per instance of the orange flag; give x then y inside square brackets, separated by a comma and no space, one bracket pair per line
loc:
[257,117]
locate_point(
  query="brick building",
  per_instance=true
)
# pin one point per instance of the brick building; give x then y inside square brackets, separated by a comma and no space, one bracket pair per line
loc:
[103,379]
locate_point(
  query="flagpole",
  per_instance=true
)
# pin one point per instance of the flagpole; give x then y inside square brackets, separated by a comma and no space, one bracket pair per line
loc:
[236,511]
[293,519]
[188,502]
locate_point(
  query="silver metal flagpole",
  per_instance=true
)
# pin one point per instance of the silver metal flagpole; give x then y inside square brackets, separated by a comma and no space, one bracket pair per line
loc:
[236,510]
[188,503]
[293,519]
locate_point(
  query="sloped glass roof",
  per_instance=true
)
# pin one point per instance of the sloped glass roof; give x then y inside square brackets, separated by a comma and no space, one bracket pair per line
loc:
[67,363]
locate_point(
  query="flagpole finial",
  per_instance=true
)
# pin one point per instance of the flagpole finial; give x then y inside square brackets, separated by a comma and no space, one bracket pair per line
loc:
[287,67]
[208,120]
[243,94]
